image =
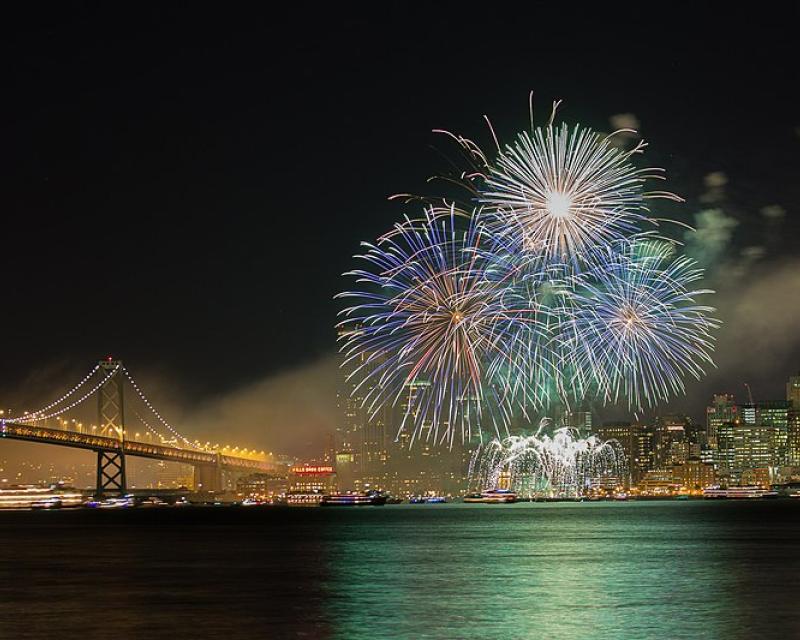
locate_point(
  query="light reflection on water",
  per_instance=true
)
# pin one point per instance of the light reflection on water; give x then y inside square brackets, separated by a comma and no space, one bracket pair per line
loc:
[591,570]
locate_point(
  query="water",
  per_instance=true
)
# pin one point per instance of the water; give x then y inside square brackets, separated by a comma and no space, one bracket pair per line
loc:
[593,570]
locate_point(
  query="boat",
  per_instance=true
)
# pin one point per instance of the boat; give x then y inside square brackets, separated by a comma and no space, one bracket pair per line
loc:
[427,500]
[492,496]
[39,497]
[739,493]
[304,498]
[123,502]
[370,498]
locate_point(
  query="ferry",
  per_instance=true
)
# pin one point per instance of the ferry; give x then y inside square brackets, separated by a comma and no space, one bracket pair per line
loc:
[739,493]
[38,497]
[304,498]
[492,496]
[370,498]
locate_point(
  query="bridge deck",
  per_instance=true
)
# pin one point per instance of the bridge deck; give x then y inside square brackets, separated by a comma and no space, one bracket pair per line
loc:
[32,433]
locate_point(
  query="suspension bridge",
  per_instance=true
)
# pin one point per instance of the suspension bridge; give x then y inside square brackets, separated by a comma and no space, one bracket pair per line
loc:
[111,441]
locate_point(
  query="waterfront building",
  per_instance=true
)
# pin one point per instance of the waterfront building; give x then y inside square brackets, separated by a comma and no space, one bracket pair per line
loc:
[261,486]
[694,474]
[760,476]
[657,482]
[312,478]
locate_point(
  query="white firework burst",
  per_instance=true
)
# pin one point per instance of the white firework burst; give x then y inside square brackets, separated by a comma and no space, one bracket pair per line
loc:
[563,192]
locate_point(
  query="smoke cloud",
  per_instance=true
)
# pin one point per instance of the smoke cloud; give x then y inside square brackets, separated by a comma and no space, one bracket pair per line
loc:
[289,413]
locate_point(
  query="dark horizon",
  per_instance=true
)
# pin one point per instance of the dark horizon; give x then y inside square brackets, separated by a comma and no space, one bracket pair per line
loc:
[183,189]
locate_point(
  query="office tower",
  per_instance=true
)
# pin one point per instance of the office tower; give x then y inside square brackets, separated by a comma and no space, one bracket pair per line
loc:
[793,421]
[722,409]
[352,415]
[362,438]
[725,451]
[775,416]
[669,435]
[761,434]
[636,442]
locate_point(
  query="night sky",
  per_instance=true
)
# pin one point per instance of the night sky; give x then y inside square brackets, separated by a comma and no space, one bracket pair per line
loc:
[183,187]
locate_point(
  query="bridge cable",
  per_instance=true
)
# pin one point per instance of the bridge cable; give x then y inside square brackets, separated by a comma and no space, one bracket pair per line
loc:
[38,416]
[156,413]
[66,395]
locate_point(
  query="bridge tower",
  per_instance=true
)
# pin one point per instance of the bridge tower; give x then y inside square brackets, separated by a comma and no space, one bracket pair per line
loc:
[208,478]
[111,422]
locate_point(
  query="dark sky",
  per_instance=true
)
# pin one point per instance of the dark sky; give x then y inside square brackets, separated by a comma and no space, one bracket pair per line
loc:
[182,186]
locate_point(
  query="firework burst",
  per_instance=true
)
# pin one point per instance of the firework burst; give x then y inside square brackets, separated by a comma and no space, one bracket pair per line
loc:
[555,289]
[634,326]
[567,191]
[431,334]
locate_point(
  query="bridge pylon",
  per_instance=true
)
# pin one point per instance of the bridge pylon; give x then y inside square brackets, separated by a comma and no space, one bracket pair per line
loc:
[111,421]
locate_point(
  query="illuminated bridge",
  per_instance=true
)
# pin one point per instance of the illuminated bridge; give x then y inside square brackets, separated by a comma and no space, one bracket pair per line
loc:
[110,439]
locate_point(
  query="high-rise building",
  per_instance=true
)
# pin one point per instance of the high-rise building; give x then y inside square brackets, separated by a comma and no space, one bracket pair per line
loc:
[793,421]
[635,440]
[352,414]
[668,432]
[775,415]
[722,409]
[724,457]
[754,446]
[362,437]
[761,434]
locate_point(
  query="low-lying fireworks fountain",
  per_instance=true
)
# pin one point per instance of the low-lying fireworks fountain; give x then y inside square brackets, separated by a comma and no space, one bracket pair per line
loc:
[561,465]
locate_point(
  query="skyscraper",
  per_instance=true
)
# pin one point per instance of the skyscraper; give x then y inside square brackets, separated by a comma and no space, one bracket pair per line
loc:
[793,421]
[636,441]
[361,437]
[722,409]
[761,434]
[669,436]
